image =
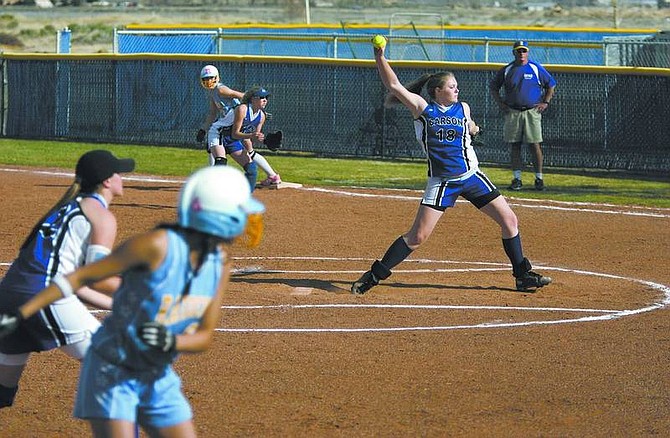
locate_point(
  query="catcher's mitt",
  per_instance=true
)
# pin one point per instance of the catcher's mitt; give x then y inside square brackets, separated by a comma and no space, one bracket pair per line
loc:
[273,141]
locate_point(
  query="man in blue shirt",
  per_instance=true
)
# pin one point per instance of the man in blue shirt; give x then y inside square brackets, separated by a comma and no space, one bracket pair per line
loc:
[528,89]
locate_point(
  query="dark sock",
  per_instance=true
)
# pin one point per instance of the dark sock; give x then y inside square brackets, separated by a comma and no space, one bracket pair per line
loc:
[513,250]
[397,252]
[220,161]
[380,271]
[7,396]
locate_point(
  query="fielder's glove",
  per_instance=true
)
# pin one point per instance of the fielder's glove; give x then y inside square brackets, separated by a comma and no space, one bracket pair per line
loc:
[157,336]
[9,322]
[273,141]
[200,136]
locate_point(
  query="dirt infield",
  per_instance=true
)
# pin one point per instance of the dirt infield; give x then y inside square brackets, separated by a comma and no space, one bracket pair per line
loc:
[444,347]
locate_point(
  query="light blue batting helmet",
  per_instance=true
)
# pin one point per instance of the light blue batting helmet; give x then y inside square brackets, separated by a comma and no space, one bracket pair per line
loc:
[216,200]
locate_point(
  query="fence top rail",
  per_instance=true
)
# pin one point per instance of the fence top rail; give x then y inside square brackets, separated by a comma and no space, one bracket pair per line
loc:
[287,60]
[362,37]
[385,26]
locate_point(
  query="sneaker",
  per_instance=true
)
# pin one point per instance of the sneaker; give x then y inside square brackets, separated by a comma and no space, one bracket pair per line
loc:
[539,184]
[271,181]
[516,184]
[364,284]
[531,281]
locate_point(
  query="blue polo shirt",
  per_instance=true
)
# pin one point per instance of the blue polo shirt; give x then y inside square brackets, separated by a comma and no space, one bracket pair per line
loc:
[524,85]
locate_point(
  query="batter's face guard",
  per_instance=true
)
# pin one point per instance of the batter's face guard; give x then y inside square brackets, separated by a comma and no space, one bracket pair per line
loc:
[217,200]
[209,82]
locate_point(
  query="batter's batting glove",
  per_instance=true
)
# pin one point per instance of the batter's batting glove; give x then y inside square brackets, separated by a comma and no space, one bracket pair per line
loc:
[9,322]
[200,136]
[156,335]
[273,141]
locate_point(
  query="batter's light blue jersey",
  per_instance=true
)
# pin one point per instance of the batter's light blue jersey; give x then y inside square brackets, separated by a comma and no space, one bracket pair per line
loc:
[158,296]
[444,135]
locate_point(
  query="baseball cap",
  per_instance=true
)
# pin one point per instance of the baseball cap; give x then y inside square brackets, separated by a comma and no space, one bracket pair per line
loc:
[96,166]
[262,93]
[521,44]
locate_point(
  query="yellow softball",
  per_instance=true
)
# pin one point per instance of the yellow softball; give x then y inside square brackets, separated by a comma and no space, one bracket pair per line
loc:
[378,41]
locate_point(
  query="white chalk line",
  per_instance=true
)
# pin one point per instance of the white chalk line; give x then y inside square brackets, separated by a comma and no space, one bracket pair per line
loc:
[603,314]
[569,206]
[524,203]
[607,314]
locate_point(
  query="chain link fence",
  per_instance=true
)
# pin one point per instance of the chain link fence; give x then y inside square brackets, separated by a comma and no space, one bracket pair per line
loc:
[604,118]
[404,44]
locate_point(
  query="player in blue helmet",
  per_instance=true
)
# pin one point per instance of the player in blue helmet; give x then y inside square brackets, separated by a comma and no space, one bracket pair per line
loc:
[173,279]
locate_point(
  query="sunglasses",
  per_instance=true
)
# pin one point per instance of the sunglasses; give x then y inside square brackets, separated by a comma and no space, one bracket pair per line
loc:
[522,50]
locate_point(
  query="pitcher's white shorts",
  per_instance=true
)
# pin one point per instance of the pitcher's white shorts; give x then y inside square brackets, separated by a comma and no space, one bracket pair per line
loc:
[108,391]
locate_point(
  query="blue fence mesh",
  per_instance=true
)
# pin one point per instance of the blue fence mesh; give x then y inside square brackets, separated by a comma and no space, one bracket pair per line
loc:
[406,42]
[605,118]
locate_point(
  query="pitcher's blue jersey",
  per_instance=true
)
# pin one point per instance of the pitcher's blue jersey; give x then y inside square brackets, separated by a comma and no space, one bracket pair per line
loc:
[444,135]
[158,296]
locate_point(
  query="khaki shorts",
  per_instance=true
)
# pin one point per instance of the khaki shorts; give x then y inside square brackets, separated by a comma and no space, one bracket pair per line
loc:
[522,126]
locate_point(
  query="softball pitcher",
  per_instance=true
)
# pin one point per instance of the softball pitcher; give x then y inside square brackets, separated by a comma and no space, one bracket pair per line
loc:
[444,127]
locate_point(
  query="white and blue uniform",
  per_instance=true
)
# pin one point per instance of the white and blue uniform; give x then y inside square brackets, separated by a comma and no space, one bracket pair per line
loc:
[59,247]
[453,167]
[122,378]
[249,124]
[224,106]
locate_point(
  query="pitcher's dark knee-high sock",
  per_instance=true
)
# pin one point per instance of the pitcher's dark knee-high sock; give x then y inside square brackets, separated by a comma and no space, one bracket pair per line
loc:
[397,252]
[7,396]
[514,252]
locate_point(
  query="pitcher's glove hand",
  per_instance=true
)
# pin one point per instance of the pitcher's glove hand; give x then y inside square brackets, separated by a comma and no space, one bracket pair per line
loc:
[273,141]
[477,138]
[157,336]
[200,136]
[9,322]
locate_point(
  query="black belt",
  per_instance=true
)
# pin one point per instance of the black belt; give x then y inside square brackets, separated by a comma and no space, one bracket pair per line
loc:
[522,108]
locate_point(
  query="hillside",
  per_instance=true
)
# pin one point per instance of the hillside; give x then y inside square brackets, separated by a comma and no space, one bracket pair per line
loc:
[30,29]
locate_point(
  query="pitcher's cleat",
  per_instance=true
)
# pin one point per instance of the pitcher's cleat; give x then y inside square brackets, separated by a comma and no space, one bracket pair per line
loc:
[530,281]
[378,271]
[364,284]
